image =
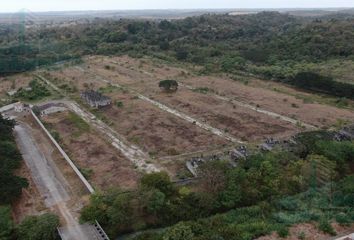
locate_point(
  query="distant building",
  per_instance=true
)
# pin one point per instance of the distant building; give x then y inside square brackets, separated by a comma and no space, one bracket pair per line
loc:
[95,99]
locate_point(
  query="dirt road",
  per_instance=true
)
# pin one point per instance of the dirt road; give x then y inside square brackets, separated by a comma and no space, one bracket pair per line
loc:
[49,180]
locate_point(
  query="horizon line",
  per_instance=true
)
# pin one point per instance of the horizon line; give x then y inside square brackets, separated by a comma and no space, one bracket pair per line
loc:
[180,9]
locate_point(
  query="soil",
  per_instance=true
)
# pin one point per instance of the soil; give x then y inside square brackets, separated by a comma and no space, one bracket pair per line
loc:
[310,231]
[30,203]
[144,77]
[89,151]
[313,113]
[240,122]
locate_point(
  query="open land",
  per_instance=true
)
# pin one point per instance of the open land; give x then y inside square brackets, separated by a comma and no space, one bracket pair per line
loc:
[286,102]
[104,166]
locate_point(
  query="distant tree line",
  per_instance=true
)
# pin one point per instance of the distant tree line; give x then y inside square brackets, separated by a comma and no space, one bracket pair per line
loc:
[315,82]
[268,43]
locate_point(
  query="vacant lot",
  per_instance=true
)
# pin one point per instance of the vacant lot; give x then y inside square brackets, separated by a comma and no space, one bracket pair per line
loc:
[237,121]
[155,131]
[145,77]
[96,158]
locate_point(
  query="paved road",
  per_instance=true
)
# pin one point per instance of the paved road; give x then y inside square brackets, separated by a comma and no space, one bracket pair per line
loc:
[350,236]
[49,180]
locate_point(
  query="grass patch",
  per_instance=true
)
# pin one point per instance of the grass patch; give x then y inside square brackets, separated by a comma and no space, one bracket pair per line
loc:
[203,90]
[79,123]
[34,92]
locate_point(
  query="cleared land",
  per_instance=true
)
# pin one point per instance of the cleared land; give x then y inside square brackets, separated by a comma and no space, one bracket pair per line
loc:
[144,76]
[212,100]
[97,159]
[155,131]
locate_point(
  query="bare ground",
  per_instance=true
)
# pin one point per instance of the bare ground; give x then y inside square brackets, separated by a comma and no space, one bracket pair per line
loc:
[89,151]
[310,232]
[313,113]
[31,202]
[156,131]
[238,121]
[256,92]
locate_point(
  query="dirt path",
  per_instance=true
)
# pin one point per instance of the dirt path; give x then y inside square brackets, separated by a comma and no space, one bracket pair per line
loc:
[259,110]
[130,151]
[49,180]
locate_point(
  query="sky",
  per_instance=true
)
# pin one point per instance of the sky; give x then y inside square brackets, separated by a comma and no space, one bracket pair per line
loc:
[66,5]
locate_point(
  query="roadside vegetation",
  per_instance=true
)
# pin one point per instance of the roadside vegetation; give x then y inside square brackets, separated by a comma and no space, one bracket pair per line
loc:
[33,227]
[10,160]
[265,193]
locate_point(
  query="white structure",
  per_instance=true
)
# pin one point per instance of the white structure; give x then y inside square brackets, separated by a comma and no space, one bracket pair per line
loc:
[19,107]
[12,92]
[50,108]
[53,109]
[8,107]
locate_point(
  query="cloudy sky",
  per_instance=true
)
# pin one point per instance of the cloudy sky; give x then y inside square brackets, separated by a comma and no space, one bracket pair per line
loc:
[58,5]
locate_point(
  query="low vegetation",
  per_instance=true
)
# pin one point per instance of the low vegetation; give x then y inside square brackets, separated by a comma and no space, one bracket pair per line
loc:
[79,124]
[38,228]
[267,192]
[35,91]
[168,85]
[10,159]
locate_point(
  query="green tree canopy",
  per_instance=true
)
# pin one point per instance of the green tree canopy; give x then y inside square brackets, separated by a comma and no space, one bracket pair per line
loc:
[39,227]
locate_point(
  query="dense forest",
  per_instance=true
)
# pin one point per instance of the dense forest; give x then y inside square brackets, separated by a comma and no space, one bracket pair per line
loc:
[311,182]
[269,44]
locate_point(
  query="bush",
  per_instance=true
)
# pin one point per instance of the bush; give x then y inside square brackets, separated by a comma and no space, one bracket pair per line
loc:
[343,219]
[6,224]
[326,227]
[39,227]
[168,85]
[283,231]
[160,181]
[38,91]
[181,231]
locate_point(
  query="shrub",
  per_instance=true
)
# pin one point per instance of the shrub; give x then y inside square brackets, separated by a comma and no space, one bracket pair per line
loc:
[168,85]
[39,227]
[180,231]
[343,219]
[6,224]
[326,227]
[283,231]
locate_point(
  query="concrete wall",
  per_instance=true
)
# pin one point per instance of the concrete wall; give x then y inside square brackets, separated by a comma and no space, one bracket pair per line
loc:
[78,173]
